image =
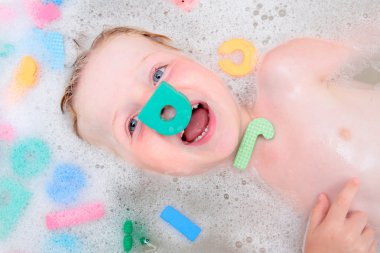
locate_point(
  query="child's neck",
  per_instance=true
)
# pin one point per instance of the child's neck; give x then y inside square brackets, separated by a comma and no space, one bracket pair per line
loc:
[246,116]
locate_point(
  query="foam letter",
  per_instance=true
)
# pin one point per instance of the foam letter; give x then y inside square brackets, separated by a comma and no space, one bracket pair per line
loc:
[166,95]
[249,57]
[259,126]
[74,216]
[13,200]
[180,222]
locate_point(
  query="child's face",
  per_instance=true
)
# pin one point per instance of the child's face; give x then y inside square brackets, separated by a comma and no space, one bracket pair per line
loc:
[120,77]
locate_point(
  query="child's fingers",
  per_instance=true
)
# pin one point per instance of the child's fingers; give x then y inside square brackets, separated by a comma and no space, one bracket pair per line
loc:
[368,238]
[357,222]
[319,211]
[341,206]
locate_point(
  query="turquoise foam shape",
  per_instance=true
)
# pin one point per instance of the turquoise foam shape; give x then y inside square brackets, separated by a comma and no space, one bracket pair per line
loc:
[6,49]
[29,157]
[63,243]
[166,95]
[180,222]
[13,200]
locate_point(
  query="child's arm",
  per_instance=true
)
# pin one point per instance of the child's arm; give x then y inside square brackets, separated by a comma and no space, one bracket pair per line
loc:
[333,229]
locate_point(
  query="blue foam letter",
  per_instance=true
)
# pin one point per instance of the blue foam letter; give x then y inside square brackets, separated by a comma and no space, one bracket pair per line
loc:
[180,222]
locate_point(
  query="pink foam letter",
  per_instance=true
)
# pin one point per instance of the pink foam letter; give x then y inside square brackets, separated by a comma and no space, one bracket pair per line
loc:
[75,216]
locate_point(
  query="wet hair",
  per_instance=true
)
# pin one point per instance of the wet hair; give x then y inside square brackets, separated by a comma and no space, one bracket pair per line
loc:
[80,63]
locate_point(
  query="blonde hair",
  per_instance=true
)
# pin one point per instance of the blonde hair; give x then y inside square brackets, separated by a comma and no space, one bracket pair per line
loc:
[80,63]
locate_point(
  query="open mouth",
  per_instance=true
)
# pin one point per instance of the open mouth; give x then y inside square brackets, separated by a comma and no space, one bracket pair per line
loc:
[198,126]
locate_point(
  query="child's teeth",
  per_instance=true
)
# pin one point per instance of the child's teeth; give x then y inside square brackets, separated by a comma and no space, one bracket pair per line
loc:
[195,106]
[202,135]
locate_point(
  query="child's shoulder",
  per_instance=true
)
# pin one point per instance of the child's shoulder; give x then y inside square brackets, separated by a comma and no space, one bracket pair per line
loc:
[307,57]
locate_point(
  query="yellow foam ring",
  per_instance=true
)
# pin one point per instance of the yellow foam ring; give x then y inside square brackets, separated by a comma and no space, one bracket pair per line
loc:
[27,73]
[249,57]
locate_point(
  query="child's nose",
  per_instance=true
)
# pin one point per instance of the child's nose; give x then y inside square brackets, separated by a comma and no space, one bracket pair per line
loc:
[167,110]
[168,113]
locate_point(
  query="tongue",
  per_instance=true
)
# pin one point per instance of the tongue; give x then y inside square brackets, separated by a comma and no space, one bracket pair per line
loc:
[198,123]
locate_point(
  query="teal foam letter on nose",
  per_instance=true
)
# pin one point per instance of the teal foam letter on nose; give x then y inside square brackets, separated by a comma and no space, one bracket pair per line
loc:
[13,200]
[166,95]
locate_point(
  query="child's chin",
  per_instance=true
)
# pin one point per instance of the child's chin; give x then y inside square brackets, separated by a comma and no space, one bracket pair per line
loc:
[189,171]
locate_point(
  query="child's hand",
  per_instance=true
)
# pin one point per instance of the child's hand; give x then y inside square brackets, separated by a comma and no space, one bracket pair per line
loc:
[335,229]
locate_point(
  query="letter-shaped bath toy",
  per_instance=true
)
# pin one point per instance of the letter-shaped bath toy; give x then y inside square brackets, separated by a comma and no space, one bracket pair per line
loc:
[74,216]
[259,126]
[180,222]
[186,5]
[63,242]
[7,132]
[127,243]
[27,72]
[67,182]
[25,78]
[166,95]
[6,49]
[57,2]
[249,57]
[13,200]
[43,14]
[30,157]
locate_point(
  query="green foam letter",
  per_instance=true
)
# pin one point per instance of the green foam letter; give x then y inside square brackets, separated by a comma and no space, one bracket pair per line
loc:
[259,126]
[166,95]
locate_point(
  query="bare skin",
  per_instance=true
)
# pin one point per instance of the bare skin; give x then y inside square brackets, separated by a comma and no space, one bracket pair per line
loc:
[325,133]
[333,229]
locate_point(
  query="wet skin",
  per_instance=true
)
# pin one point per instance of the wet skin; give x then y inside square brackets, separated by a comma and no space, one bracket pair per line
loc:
[326,132]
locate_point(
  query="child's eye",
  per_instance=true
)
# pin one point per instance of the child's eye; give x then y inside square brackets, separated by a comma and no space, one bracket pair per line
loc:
[132,125]
[158,73]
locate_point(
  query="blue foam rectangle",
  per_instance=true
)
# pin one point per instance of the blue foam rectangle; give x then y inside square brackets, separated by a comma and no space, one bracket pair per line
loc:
[180,222]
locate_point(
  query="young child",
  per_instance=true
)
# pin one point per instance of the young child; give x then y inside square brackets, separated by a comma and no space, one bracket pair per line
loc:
[320,140]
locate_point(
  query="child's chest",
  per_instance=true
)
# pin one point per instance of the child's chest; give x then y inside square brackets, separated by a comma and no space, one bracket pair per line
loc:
[323,137]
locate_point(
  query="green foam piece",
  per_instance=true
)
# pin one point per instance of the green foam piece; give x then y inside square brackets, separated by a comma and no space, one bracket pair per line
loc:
[13,200]
[128,227]
[30,157]
[166,95]
[259,126]
[127,243]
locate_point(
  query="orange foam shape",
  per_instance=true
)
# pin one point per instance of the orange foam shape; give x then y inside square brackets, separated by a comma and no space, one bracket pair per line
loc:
[249,57]
[27,73]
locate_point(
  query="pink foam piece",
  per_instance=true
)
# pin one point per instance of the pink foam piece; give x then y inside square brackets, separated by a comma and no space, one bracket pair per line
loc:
[7,132]
[43,14]
[7,14]
[75,216]
[186,5]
